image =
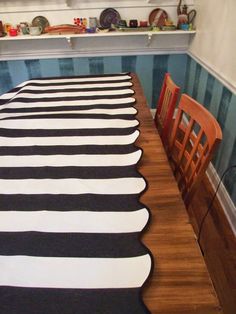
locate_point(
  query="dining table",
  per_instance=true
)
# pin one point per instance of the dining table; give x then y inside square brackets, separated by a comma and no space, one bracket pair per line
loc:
[91,218]
[180,282]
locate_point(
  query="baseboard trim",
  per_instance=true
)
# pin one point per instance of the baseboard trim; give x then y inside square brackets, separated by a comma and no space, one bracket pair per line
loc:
[223,197]
[153,112]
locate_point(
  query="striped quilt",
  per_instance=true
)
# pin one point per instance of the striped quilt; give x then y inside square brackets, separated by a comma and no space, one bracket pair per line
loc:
[70,216]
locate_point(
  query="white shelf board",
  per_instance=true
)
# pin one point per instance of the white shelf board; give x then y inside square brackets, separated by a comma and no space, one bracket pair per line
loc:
[110,43]
[102,34]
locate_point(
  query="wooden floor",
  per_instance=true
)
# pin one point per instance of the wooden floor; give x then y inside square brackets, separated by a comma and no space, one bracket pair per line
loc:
[218,245]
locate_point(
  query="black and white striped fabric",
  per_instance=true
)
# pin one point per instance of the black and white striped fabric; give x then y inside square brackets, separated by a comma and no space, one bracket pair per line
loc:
[70,216]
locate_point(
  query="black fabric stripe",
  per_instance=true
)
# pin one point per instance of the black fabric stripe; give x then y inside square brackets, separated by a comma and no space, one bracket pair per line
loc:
[14,300]
[83,76]
[13,90]
[68,108]
[46,244]
[74,116]
[66,132]
[90,202]
[67,150]
[69,98]
[68,172]
[3,101]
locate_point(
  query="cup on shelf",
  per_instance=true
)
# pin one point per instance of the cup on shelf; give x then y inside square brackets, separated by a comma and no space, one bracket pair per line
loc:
[133,23]
[143,23]
[93,23]
[34,30]
[23,28]
[7,27]
[122,23]
[184,27]
[182,19]
[13,31]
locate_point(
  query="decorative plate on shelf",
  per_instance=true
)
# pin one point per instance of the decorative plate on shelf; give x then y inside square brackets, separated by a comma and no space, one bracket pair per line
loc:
[157,17]
[109,16]
[40,21]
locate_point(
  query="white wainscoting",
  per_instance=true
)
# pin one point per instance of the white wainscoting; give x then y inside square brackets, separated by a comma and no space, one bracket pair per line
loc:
[223,196]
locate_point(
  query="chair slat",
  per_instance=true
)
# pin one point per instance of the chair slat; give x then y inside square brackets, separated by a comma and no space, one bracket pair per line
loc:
[191,149]
[165,108]
[194,149]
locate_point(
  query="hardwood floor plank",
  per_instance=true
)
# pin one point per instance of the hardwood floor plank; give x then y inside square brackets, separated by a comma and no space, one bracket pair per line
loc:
[218,245]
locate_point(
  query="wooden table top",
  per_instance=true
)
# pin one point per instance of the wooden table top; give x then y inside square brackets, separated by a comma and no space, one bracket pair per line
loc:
[180,282]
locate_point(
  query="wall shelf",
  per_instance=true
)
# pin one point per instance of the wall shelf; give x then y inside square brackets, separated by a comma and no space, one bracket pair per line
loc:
[110,43]
[101,34]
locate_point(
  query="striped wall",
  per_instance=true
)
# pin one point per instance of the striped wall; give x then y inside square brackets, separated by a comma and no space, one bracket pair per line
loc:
[150,68]
[205,88]
[186,72]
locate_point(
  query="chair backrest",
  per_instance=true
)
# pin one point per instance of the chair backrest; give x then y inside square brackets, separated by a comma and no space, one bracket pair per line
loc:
[194,139]
[165,107]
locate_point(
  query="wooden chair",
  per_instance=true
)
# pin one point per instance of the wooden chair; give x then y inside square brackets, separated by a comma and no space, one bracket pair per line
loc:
[165,108]
[194,139]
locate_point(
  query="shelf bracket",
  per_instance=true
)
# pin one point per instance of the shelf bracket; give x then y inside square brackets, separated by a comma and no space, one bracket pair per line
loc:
[69,41]
[149,40]
[67,3]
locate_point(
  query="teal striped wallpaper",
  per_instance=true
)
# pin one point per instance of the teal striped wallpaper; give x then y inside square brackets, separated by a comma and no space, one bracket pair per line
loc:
[205,88]
[150,69]
[186,72]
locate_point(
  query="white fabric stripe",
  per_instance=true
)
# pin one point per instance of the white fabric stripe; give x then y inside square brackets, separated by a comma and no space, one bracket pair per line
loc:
[79,86]
[72,186]
[85,160]
[76,94]
[108,111]
[47,124]
[8,95]
[99,79]
[74,221]
[70,140]
[91,102]
[59,272]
